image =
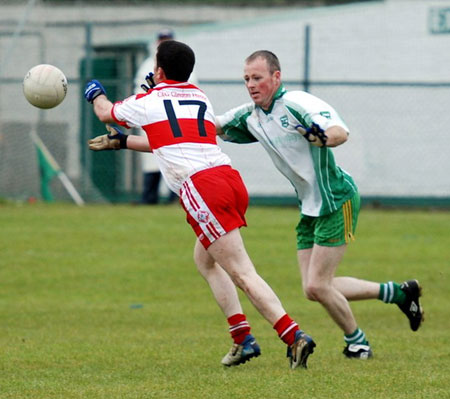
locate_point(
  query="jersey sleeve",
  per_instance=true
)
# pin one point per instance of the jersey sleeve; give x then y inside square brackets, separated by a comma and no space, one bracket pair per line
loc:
[128,113]
[307,109]
[234,125]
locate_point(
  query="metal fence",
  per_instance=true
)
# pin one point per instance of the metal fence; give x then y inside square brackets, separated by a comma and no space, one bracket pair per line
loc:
[399,128]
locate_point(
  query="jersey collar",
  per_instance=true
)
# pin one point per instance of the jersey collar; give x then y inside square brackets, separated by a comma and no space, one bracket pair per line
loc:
[278,94]
[171,82]
[174,83]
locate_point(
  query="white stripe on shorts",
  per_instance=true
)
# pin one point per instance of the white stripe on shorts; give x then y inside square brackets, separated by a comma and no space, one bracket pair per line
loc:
[194,204]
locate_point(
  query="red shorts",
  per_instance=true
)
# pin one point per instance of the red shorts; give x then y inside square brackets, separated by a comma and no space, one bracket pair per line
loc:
[215,201]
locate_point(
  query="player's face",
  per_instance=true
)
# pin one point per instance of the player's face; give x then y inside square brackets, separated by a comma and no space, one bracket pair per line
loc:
[260,82]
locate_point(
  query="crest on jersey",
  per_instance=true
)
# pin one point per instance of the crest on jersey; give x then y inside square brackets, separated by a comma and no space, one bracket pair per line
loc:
[203,216]
[284,121]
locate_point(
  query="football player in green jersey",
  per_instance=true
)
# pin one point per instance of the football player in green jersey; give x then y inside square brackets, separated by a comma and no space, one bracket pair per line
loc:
[298,131]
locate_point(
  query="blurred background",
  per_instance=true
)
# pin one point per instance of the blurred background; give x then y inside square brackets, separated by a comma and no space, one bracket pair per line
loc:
[383,65]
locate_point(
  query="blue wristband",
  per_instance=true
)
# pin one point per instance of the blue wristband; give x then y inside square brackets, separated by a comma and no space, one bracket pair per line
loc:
[93,89]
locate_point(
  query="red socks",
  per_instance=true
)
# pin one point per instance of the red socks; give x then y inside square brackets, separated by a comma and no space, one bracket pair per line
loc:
[239,327]
[286,329]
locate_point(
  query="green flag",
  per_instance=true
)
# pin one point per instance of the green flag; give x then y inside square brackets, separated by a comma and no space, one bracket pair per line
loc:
[47,171]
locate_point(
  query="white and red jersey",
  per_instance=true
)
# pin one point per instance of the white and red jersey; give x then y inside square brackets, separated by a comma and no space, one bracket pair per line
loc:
[180,125]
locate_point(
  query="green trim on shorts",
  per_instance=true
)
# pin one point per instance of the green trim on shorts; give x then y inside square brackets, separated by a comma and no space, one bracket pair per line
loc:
[333,230]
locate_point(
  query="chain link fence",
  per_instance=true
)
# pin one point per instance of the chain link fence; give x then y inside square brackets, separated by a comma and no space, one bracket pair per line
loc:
[396,109]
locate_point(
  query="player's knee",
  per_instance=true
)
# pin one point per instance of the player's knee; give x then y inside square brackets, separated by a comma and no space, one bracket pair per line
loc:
[204,266]
[309,294]
[314,292]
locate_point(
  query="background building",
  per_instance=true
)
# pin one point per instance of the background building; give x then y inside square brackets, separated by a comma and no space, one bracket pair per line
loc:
[383,66]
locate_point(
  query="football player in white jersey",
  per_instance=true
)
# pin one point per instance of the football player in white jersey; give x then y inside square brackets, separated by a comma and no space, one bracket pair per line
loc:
[298,130]
[150,170]
[180,126]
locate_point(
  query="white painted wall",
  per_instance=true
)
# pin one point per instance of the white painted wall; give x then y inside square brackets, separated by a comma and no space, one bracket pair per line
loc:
[398,135]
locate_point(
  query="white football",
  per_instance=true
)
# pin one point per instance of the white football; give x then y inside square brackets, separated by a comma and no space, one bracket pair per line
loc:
[45,86]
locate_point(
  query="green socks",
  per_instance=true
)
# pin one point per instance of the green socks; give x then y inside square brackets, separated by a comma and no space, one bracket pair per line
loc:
[357,337]
[390,292]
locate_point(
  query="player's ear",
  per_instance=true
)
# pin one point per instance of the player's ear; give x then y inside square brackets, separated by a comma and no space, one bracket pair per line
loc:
[277,76]
[160,74]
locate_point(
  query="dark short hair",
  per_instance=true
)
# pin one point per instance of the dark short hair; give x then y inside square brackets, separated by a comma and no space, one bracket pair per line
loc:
[272,60]
[176,60]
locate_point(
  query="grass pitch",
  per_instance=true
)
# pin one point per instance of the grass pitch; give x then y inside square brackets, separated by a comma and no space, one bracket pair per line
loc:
[105,302]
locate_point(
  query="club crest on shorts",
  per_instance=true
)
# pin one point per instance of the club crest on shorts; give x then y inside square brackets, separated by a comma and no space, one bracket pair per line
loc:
[203,216]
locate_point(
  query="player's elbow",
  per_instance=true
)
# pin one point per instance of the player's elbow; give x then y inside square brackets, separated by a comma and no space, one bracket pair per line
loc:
[337,135]
[343,137]
[104,117]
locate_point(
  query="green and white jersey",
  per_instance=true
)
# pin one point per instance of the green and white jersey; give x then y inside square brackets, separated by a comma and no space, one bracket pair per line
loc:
[321,186]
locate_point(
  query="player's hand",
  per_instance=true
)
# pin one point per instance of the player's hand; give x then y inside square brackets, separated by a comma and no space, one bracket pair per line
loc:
[150,82]
[115,140]
[314,134]
[92,90]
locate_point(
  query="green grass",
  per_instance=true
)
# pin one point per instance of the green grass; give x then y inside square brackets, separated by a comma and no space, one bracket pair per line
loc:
[105,302]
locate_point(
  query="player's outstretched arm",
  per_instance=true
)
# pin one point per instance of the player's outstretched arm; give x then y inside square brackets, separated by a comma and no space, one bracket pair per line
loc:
[95,93]
[220,133]
[138,143]
[102,108]
[337,135]
[116,140]
[331,137]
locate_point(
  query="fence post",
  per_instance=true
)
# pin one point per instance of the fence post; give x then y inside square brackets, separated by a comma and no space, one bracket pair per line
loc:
[306,81]
[86,110]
